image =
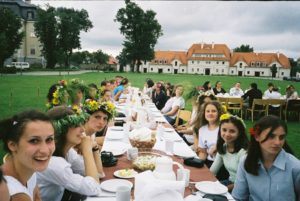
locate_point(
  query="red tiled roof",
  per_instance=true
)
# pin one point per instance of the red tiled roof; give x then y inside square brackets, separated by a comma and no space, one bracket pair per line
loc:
[269,58]
[169,56]
[209,49]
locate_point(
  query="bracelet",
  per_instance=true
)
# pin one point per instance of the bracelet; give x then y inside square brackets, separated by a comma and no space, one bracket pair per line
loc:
[95,148]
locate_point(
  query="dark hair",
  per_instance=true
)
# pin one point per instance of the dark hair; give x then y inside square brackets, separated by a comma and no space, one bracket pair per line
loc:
[253,85]
[93,85]
[200,118]
[12,129]
[150,83]
[104,91]
[124,81]
[104,83]
[51,90]
[241,141]
[270,84]
[254,151]
[58,113]
[205,85]
[217,83]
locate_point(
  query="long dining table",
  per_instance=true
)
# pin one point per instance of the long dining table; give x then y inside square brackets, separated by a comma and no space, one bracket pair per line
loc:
[117,141]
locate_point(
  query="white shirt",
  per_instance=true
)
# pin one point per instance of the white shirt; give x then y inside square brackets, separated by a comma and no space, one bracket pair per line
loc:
[59,176]
[207,139]
[15,187]
[178,102]
[236,92]
[168,105]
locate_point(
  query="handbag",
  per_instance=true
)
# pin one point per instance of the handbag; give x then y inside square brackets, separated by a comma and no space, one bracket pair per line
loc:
[194,162]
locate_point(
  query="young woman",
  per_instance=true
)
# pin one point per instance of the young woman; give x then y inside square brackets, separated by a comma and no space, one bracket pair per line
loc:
[231,146]
[77,91]
[178,103]
[268,172]
[120,89]
[106,95]
[57,95]
[28,138]
[59,175]
[159,97]
[207,128]
[218,88]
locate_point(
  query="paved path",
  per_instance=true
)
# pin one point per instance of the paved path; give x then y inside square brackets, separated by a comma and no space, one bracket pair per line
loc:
[56,72]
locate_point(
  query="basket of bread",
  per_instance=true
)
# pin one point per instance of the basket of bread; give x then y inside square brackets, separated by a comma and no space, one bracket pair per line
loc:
[142,138]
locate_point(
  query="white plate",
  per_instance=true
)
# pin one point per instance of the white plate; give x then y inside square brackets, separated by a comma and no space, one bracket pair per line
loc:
[183,154]
[132,171]
[112,184]
[117,152]
[116,128]
[209,187]
[114,136]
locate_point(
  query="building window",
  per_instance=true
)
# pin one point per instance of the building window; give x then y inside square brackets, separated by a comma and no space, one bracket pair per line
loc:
[217,70]
[168,69]
[197,69]
[223,62]
[241,65]
[198,62]
[192,70]
[222,70]
[282,73]
[252,63]
[192,62]
[262,72]
[175,63]
[248,72]
[232,72]
[32,51]
[155,61]
[217,62]
[151,69]
[145,62]
[182,70]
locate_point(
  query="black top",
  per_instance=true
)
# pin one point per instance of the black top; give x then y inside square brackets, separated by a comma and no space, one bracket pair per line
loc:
[252,94]
[219,92]
[159,99]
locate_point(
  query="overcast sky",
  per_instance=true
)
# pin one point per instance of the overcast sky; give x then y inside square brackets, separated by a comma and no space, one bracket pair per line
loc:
[265,26]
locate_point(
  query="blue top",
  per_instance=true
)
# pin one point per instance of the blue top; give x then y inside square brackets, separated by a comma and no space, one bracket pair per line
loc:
[118,88]
[280,182]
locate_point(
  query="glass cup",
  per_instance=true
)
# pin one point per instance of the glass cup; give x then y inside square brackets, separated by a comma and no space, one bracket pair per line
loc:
[123,193]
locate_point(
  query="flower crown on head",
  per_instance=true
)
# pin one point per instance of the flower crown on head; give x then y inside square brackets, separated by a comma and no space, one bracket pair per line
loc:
[62,125]
[93,106]
[58,94]
[227,116]
[254,131]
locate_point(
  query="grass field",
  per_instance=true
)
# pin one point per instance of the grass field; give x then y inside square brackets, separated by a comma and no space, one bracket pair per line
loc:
[22,92]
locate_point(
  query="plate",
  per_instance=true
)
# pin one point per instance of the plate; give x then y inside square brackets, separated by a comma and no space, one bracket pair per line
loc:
[183,154]
[116,128]
[114,136]
[125,173]
[112,184]
[169,129]
[209,187]
[117,152]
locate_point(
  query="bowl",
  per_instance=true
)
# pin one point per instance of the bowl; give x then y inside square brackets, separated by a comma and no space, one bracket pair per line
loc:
[140,144]
[145,161]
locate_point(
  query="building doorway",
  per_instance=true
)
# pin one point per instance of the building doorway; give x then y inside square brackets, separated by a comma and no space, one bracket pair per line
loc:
[145,70]
[207,71]
[256,74]
[175,71]
[240,73]
[160,70]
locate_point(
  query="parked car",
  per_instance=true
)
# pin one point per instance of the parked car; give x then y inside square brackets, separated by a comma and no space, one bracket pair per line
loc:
[19,65]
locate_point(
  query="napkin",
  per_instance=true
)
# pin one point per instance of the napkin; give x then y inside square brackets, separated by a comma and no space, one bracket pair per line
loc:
[141,134]
[148,188]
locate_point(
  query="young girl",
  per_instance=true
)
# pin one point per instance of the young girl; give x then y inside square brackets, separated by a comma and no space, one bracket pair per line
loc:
[207,127]
[268,172]
[28,138]
[59,175]
[231,146]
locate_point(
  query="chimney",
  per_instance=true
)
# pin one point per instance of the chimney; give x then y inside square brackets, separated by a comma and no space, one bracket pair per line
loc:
[202,45]
[278,54]
[212,45]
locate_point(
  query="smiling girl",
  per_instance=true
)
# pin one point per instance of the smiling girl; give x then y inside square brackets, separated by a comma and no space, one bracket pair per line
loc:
[231,146]
[29,140]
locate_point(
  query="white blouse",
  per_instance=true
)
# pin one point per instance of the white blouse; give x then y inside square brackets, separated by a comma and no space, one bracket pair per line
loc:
[59,176]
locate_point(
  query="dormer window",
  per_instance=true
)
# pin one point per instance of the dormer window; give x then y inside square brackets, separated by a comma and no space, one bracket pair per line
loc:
[175,63]
[30,15]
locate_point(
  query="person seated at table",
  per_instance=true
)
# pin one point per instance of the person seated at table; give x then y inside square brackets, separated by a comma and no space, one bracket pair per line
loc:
[159,97]
[291,92]
[186,130]
[105,96]
[274,95]
[206,86]
[251,94]
[206,128]
[232,144]
[93,92]
[57,95]
[59,176]
[169,89]
[120,89]
[3,188]
[148,87]
[28,138]
[236,91]
[178,103]
[218,88]
[268,172]
[77,91]
[269,91]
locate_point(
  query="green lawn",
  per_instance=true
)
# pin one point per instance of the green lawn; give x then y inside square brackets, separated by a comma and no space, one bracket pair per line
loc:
[22,92]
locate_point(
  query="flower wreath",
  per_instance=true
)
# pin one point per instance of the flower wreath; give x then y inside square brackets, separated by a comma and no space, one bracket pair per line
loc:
[92,106]
[58,95]
[206,93]
[227,116]
[62,125]
[254,131]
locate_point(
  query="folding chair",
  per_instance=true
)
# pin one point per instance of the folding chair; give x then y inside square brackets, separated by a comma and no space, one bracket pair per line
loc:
[258,105]
[185,115]
[279,102]
[235,104]
[292,105]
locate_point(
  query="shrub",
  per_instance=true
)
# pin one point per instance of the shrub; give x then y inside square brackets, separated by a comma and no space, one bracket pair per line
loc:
[8,70]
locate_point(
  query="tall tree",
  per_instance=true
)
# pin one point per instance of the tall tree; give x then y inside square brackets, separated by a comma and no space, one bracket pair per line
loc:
[243,48]
[47,31]
[10,34]
[101,57]
[70,23]
[141,30]
[294,67]
[273,70]
[122,60]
